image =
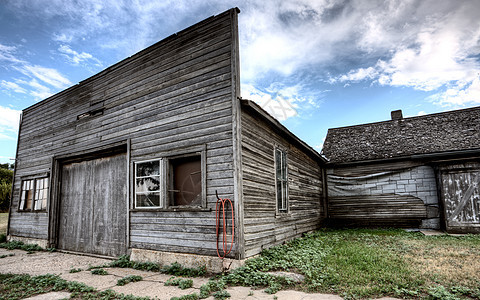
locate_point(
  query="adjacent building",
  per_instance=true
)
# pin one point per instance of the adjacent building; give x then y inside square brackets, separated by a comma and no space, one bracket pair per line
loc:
[411,172]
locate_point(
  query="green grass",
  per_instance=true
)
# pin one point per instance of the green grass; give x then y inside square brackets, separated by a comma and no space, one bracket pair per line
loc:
[354,263]
[99,272]
[180,282]
[175,269]
[365,263]
[20,245]
[13,286]
[3,223]
[128,279]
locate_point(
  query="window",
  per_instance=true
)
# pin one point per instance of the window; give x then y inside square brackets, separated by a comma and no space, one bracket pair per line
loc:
[185,182]
[174,181]
[34,194]
[281,180]
[148,187]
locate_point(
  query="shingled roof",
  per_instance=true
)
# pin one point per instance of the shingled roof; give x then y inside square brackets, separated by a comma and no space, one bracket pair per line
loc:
[456,130]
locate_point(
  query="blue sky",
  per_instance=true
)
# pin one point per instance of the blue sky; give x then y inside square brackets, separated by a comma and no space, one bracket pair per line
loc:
[313,64]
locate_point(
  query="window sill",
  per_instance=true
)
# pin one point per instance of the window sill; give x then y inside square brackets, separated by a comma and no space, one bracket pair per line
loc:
[283,215]
[172,209]
[32,211]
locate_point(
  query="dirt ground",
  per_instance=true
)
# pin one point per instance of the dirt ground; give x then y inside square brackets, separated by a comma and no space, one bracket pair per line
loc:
[152,284]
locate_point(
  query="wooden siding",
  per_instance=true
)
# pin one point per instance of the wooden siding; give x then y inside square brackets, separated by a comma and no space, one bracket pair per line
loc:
[263,226]
[398,194]
[169,97]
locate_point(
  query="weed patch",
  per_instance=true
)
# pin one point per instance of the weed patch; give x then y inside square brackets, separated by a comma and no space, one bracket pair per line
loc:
[175,269]
[99,271]
[75,270]
[221,295]
[20,245]
[193,296]
[180,282]
[13,286]
[128,279]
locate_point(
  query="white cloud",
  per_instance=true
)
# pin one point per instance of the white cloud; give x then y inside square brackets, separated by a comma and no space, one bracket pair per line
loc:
[427,45]
[76,58]
[47,75]
[358,75]
[436,51]
[13,86]
[62,37]
[7,54]
[39,91]
[279,106]
[421,113]
[9,121]
[459,96]
[283,101]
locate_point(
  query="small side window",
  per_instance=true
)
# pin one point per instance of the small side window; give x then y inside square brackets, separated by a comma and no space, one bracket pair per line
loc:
[281,180]
[34,194]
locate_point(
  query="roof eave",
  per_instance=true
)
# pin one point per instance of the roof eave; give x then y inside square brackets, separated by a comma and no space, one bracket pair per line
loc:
[430,157]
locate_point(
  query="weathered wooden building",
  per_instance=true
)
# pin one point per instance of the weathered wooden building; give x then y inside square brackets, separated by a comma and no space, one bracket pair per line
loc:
[130,159]
[420,171]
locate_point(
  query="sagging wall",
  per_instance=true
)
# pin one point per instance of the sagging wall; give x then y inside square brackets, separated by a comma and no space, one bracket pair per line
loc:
[400,194]
[173,97]
[263,225]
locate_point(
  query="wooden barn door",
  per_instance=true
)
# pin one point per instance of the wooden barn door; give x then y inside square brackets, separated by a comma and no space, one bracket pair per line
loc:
[461,195]
[93,206]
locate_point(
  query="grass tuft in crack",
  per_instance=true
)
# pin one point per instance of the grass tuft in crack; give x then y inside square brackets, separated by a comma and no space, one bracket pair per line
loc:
[99,271]
[20,245]
[128,279]
[180,282]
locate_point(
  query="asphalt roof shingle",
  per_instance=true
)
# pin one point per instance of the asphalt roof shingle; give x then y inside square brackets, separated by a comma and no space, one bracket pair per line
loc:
[441,132]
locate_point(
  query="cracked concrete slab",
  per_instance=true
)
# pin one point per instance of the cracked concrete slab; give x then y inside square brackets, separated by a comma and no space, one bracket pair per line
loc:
[152,285]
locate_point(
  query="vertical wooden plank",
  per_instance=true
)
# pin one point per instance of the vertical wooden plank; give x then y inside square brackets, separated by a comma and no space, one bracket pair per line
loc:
[129,197]
[237,139]
[108,198]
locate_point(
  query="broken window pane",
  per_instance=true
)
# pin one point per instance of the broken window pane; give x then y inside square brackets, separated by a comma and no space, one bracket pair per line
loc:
[34,194]
[147,184]
[148,168]
[41,192]
[148,200]
[186,182]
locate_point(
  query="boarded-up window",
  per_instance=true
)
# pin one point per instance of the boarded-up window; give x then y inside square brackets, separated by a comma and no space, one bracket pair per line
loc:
[148,184]
[34,194]
[186,181]
[281,180]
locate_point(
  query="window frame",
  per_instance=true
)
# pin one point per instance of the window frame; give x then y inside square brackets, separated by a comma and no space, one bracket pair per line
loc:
[282,205]
[165,167]
[37,189]
[161,185]
[169,180]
